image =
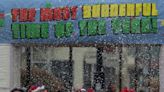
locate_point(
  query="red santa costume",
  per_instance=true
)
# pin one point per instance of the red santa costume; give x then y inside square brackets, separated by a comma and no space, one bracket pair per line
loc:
[37,89]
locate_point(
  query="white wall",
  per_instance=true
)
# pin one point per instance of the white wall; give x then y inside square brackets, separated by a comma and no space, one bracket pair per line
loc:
[5,67]
[51,53]
[79,55]
[60,53]
[9,73]
[161,70]
[15,65]
[128,61]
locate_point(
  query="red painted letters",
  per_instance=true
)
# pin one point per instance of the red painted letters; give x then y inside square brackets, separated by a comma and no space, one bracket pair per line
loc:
[46,14]
[74,12]
[15,14]
[66,13]
[57,14]
[23,15]
[31,14]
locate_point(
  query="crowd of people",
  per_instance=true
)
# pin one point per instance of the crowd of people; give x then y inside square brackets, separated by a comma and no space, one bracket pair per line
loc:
[32,88]
[43,89]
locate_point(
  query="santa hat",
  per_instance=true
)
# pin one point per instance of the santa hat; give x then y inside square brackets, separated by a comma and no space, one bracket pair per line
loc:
[36,88]
[83,90]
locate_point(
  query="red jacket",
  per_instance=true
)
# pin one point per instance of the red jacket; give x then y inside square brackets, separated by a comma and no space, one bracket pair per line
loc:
[90,90]
[131,90]
[125,90]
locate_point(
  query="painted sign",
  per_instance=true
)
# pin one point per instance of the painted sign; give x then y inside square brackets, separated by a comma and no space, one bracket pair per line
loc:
[82,21]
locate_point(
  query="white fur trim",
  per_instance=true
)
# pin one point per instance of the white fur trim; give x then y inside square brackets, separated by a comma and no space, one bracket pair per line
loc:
[39,88]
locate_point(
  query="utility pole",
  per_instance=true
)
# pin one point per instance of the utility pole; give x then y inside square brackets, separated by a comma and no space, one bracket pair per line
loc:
[120,66]
[28,67]
[70,68]
[99,77]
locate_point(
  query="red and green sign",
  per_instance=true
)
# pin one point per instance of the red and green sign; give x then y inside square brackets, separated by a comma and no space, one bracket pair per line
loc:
[125,18]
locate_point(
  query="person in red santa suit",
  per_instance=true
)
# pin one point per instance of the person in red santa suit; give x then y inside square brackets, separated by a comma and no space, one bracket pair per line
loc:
[37,89]
[131,90]
[125,89]
[90,89]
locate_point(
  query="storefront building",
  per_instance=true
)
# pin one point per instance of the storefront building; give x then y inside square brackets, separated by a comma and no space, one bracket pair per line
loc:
[73,44]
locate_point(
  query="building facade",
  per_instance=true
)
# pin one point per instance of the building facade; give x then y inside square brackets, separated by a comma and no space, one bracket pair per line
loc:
[136,62]
[75,44]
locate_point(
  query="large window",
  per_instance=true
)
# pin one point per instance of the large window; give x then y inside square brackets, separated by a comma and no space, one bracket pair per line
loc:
[133,66]
[120,66]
